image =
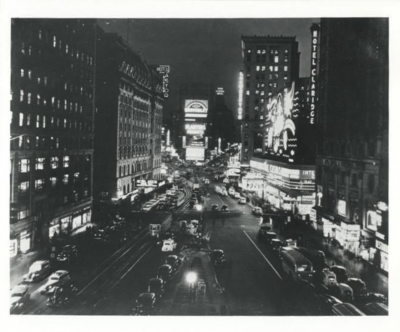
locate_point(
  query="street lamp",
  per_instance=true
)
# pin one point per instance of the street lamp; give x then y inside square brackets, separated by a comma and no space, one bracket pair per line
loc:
[191,278]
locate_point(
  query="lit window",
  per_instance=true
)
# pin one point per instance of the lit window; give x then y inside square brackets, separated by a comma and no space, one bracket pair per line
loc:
[285,77]
[66,161]
[21,119]
[54,41]
[39,183]
[30,50]
[65,123]
[21,95]
[247,93]
[44,121]
[53,181]
[23,48]
[76,175]
[76,107]
[248,51]
[286,51]
[29,98]
[262,93]
[54,162]
[29,74]
[70,106]
[80,109]
[66,48]
[271,68]
[38,80]
[65,178]
[38,99]
[263,68]
[65,86]
[37,121]
[22,73]
[286,58]
[45,80]
[28,120]
[23,214]
[258,68]
[24,165]
[23,186]
[276,68]
[285,68]
[40,34]
[257,92]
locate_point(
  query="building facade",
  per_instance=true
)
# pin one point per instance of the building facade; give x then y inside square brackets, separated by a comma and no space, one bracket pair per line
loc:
[270,63]
[352,118]
[52,128]
[128,119]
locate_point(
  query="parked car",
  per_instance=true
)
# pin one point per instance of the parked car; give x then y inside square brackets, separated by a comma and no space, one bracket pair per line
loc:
[68,254]
[156,286]
[168,245]
[37,271]
[61,296]
[174,261]
[164,272]
[242,200]
[58,278]
[218,257]
[214,207]
[359,287]
[376,309]
[341,273]
[346,309]
[326,302]
[257,211]
[145,304]
[19,298]
[237,195]
[276,245]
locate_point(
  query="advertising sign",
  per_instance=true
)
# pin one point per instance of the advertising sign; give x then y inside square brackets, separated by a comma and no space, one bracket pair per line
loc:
[196,106]
[193,153]
[164,70]
[146,183]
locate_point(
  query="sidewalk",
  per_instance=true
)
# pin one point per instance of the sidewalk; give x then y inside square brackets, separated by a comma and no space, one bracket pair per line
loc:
[357,268]
[19,265]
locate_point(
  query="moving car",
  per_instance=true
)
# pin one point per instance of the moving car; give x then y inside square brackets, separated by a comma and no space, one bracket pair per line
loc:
[224,208]
[164,272]
[19,297]
[257,211]
[237,195]
[218,257]
[156,286]
[68,254]
[174,261]
[145,304]
[242,200]
[37,271]
[168,245]
[58,278]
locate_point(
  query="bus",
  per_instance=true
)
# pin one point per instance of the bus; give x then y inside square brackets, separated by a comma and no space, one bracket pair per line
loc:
[295,265]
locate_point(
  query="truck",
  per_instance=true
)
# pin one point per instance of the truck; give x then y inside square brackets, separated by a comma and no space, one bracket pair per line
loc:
[157,229]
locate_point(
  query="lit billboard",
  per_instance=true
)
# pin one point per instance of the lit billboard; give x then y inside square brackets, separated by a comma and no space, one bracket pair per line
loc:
[196,107]
[193,153]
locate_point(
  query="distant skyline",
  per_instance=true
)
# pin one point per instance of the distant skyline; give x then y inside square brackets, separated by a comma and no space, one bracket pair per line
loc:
[206,50]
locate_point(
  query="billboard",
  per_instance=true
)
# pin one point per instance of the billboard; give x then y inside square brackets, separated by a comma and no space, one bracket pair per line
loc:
[196,107]
[193,153]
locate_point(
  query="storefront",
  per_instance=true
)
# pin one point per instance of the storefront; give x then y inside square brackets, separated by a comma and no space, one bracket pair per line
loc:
[348,235]
[285,187]
[67,223]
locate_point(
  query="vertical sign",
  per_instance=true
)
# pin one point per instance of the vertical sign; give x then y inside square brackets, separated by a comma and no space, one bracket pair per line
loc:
[315,31]
[165,69]
[240,101]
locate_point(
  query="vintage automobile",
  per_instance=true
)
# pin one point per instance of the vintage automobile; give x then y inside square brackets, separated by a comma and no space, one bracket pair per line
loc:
[257,211]
[37,271]
[61,296]
[19,298]
[218,257]
[174,261]
[242,200]
[145,304]
[58,278]
[68,254]
[341,273]
[168,245]
[156,286]
[165,272]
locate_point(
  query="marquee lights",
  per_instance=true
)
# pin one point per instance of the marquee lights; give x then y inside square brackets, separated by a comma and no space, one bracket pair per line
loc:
[240,101]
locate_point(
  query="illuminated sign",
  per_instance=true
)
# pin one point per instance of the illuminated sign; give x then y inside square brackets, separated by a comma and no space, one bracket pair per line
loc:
[146,183]
[342,207]
[240,101]
[220,91]
[195,115]
[270,168]
[165,69]
[280,128]
[314,72]
[195,154]
[196,106]
[195,126]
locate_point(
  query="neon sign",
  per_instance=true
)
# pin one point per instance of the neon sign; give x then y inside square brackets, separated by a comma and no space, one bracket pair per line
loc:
[240,101]
[165,69]
[314,71]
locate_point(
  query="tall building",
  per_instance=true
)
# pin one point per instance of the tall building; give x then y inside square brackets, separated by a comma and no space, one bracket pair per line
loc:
[352,154]
[221,123]
[52,128]
[270,63]
[128,120]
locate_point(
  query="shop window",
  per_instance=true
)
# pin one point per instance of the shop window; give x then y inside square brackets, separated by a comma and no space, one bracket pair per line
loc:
[23,214]
[39,163]
[24,165]
[23,187]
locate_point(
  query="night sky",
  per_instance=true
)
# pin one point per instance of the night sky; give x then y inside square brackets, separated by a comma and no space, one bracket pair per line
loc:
[205,50]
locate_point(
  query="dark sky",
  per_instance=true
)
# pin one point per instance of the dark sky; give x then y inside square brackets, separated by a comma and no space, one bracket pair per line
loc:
[206,50]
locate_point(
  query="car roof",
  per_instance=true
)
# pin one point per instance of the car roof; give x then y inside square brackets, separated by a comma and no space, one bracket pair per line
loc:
[147,296]
[164,267]
[19,289]
[60,272]
[172,256]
